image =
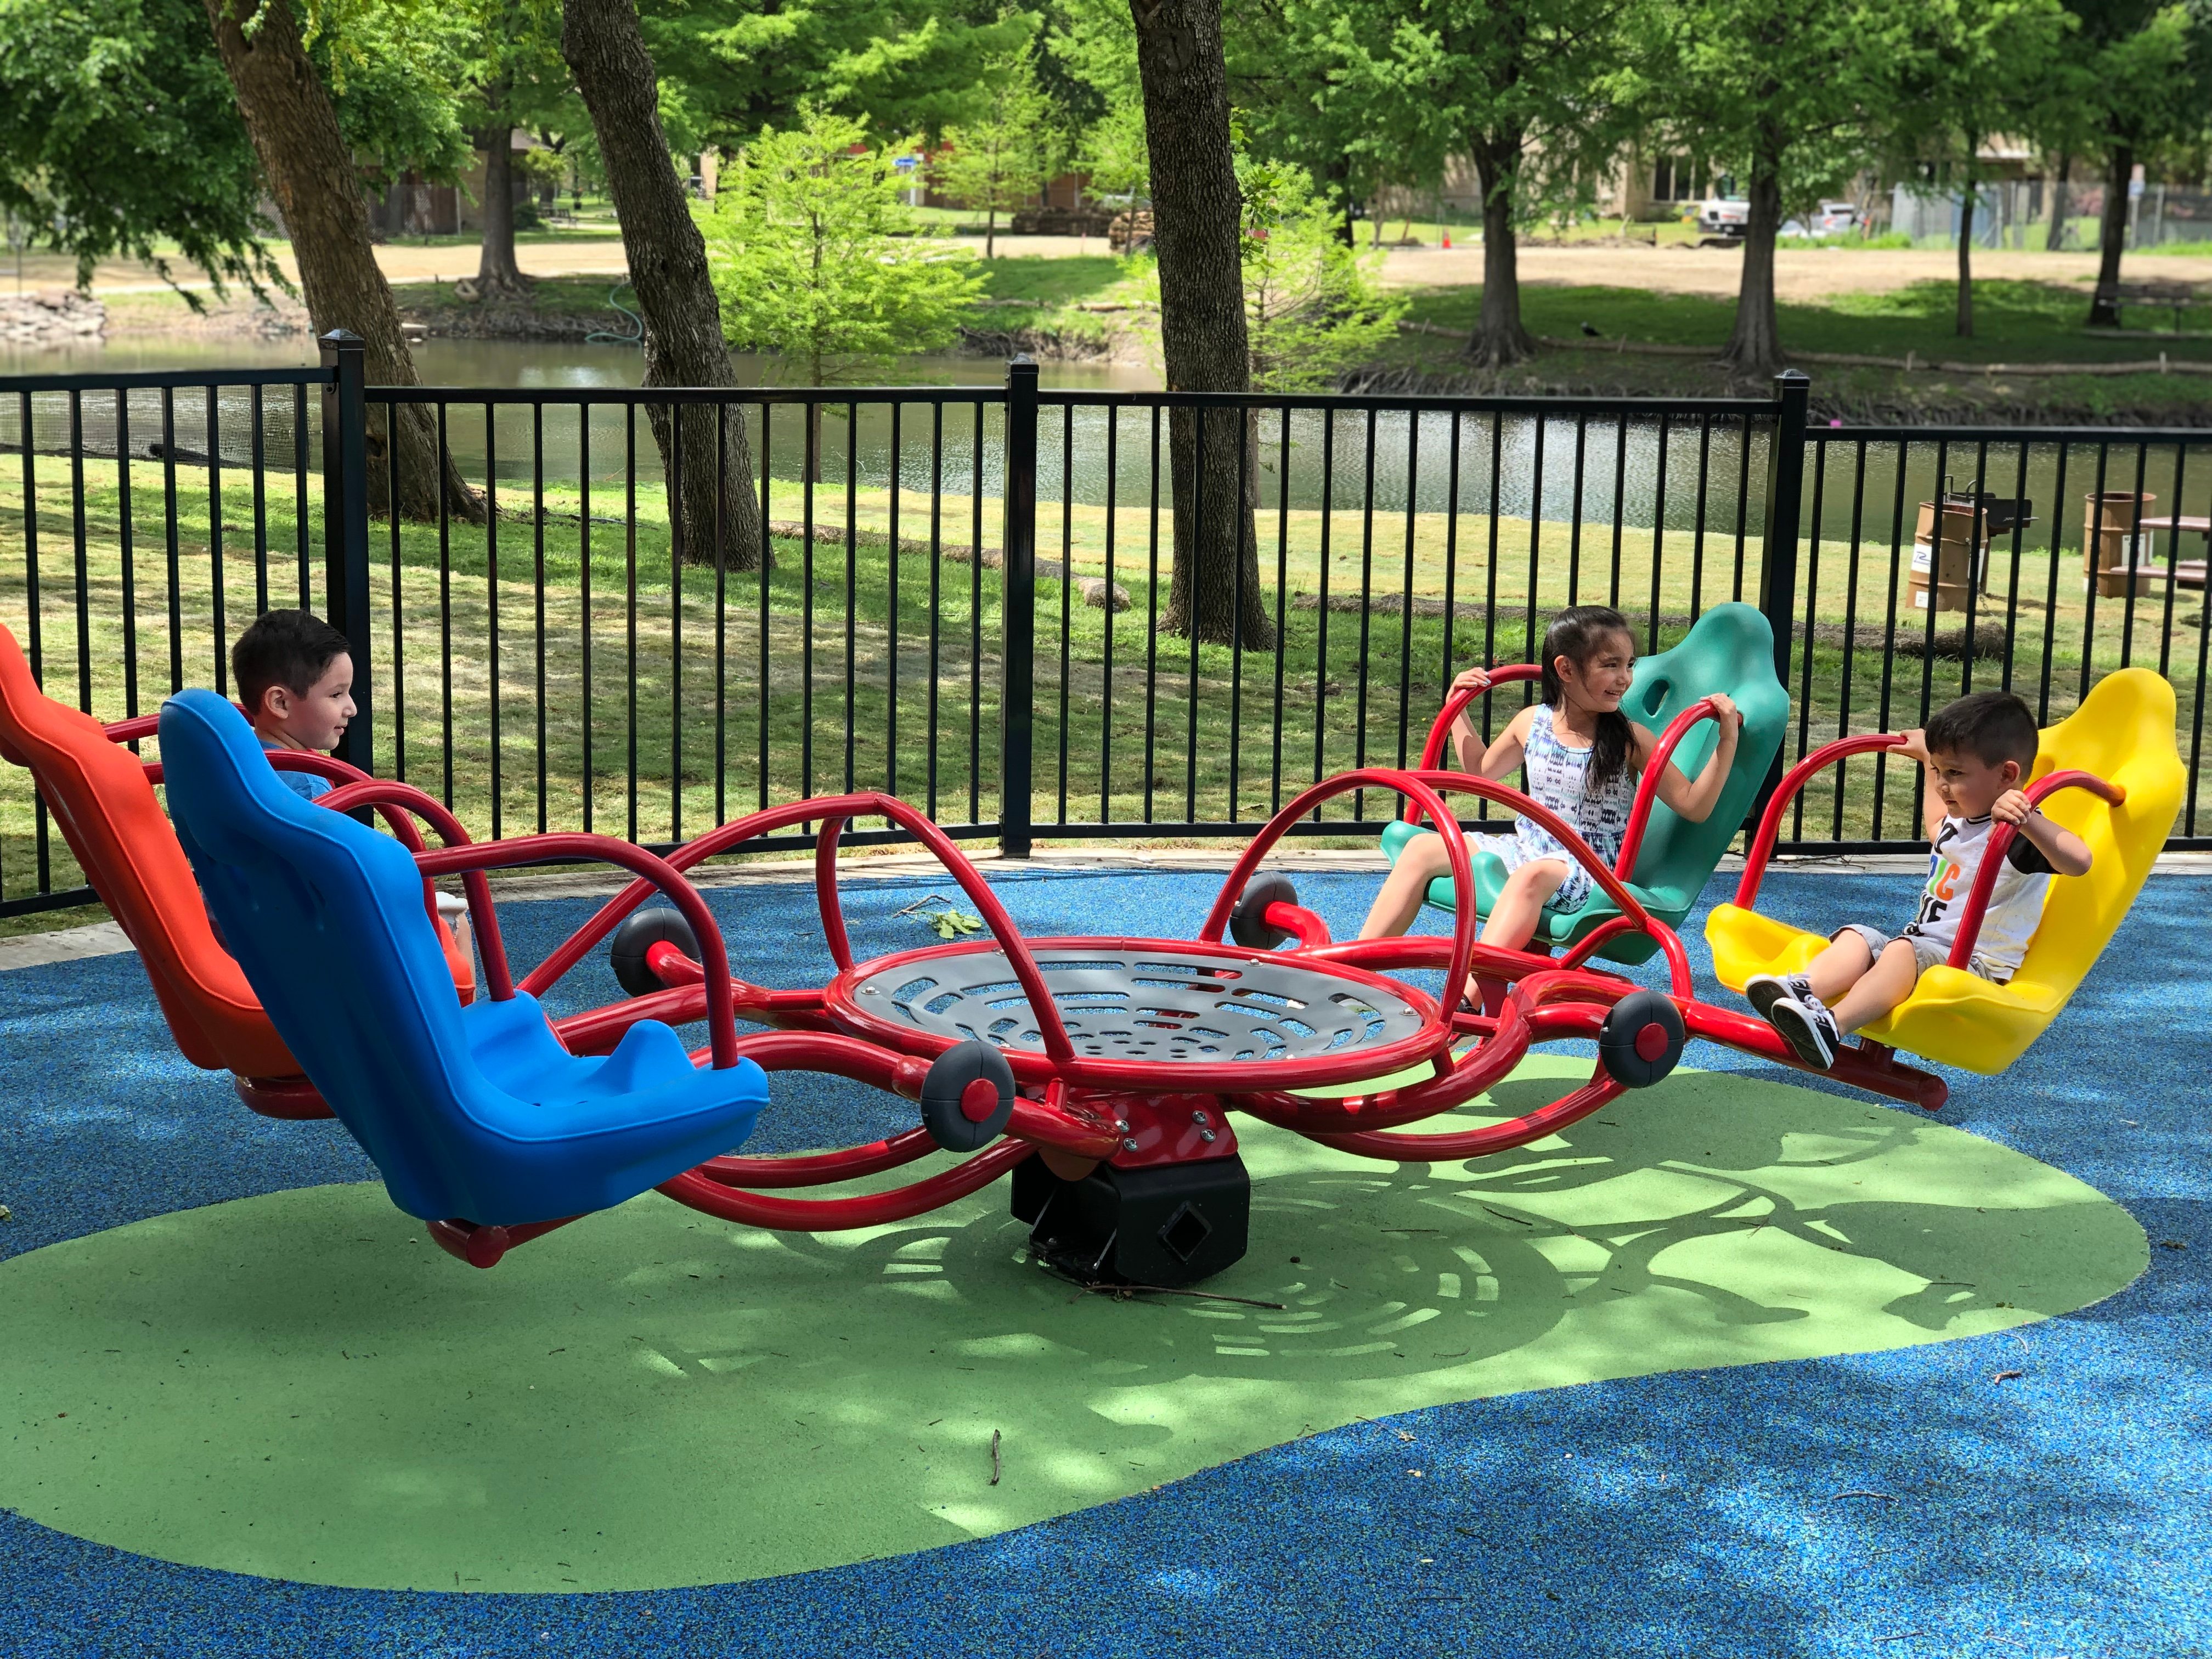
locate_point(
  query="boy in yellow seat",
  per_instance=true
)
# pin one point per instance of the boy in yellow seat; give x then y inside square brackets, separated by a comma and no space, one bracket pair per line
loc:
[1976,753]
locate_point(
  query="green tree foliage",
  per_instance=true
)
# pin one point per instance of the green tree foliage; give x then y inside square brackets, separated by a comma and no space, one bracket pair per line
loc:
[1302,97]
[397,70]
[1532,91]
[813,257]
[2139,78]
[1978,69]
[1004,153]
[1312,305]
[1091,44]
[117,134]
[901,66]
[1789,98]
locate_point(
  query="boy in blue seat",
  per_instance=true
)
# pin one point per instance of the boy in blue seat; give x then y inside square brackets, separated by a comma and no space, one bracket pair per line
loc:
[294,675]
[1976,752]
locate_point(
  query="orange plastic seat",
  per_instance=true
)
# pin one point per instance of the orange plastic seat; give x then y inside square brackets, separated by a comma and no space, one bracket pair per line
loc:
[99,793]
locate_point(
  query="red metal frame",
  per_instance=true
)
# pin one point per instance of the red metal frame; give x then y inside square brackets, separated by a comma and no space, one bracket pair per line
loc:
[1868,1065]
[1761,849]
[2000,839]
[1433,749]
[1647,787]
[1079,1112]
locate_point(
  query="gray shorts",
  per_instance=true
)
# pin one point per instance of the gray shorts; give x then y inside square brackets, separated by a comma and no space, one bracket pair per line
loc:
[1926,952]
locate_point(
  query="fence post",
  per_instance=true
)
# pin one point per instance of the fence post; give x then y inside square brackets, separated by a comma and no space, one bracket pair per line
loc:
[1778,569]
[345,528]
[1017,591]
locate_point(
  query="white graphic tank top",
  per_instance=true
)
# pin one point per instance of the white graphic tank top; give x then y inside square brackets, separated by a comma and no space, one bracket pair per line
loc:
[2015,908]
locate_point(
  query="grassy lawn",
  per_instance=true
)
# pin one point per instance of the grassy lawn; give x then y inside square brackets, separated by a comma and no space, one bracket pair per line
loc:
[708,698]
[1064,281]
[564,297]
[2013,321]
[1045,296]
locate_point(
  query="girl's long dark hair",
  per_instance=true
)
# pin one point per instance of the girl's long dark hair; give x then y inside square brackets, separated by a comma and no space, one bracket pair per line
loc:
[1577,634]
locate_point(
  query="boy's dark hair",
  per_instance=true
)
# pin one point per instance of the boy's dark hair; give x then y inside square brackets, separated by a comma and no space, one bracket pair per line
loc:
[1577,634]
[1993,726]
[290,648]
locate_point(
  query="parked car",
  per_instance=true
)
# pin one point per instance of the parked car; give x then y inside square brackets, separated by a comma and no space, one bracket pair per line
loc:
[1724,216]
[1835,219]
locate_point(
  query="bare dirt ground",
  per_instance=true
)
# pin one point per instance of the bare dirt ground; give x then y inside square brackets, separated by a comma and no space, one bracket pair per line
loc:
[1801,274]
[400,264]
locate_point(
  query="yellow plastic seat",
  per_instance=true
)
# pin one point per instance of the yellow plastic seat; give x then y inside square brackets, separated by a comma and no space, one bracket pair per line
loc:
[2122,733]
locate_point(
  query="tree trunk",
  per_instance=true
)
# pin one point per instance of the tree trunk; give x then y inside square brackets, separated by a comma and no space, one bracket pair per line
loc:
[1964,325]
[991,232]
[2111,237]
[311,173]
[1499,338]
[684,342]
[1754,344]
[1196,211]
[1338,180]
[2057,233]
[496,270]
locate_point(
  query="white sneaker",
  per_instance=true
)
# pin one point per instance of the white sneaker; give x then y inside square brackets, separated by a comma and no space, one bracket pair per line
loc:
[1809,1029]
[1763,991]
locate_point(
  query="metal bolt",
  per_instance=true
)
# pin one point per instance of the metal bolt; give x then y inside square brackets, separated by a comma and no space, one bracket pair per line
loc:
[1206,1135]
[1122,1126]
[1130,1145]
[1198,1118]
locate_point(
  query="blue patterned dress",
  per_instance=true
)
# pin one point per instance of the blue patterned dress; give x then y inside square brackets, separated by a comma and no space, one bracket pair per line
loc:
[1556,776]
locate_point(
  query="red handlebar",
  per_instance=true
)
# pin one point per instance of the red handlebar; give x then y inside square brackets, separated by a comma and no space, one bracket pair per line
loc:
[2000,840]
[1419,789]
[721,1029]
[1432,751]
[1770,822]
[1647,787]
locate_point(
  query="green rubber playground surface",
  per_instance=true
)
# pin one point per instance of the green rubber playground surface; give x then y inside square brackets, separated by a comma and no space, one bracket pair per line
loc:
[301,1386]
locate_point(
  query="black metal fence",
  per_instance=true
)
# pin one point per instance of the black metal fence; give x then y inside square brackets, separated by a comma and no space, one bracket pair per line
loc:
[967,587]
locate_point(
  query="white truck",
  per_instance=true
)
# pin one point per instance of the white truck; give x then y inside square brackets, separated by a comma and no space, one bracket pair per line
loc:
[1724,216]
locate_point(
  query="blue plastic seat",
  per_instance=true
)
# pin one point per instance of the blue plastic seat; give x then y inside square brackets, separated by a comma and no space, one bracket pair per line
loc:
[1729,649]
[474,1113]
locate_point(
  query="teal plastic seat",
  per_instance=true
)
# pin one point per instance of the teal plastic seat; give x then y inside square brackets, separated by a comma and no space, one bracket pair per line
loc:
[1730,650]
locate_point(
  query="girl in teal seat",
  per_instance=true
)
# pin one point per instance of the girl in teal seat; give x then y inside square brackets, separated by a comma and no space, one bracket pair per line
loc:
[1583,759]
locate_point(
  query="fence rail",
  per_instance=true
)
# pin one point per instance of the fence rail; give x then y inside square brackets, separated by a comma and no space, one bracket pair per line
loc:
[966,594]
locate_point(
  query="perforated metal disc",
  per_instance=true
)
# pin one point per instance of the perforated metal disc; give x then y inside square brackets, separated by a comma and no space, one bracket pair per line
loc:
[1152,1002]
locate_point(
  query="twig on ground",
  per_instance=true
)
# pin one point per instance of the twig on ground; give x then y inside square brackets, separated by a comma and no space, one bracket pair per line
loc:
[2006,1376]
[1885,1497]
[994,1458]
[1401,1433]
[1123,1293]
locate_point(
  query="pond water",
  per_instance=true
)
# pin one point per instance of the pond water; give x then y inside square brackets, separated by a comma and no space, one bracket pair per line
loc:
[1599,473]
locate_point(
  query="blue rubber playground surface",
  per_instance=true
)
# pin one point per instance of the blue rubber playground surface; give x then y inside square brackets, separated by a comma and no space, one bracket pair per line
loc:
[1900,1503]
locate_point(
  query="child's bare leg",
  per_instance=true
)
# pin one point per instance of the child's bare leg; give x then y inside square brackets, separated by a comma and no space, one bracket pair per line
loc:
[1420,862]
[1512,920]
[1880,988]
[1838,967]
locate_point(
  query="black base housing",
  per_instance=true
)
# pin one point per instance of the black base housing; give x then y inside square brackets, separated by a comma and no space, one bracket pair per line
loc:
[1173,1223]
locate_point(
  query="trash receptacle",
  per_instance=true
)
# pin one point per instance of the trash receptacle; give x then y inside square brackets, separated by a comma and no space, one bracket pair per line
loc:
[2113,549]
[1947,558]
